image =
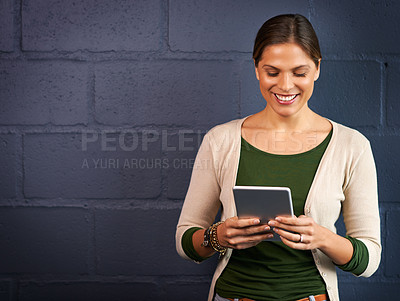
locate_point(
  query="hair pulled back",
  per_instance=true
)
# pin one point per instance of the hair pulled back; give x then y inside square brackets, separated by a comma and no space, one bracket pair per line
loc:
[290,28]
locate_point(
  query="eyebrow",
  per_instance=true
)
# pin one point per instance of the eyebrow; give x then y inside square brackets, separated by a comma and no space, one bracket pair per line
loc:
[294,69]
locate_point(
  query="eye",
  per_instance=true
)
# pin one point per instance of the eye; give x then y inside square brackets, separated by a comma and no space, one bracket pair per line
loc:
[300,74]
[272,74]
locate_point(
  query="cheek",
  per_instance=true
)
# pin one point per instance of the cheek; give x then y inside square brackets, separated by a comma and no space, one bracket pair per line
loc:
[306,84]
[266,83]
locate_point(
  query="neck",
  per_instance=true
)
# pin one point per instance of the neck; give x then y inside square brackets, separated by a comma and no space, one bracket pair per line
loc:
[301,121]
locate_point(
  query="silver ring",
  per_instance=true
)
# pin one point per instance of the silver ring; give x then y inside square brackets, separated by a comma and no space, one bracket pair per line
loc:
[301,238]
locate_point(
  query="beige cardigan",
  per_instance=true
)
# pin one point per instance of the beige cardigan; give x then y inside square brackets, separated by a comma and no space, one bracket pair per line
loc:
[345,180]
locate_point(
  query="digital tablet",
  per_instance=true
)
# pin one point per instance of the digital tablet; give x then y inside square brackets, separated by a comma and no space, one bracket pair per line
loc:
[263,202]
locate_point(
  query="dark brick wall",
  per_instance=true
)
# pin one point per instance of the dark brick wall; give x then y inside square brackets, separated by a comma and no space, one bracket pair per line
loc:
[103,105]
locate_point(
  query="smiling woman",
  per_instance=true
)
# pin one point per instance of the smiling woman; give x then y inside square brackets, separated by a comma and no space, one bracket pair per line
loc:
[328,167]
[286,75]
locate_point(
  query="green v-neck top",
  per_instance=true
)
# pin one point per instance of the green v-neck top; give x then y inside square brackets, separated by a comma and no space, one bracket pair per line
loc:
[271,270]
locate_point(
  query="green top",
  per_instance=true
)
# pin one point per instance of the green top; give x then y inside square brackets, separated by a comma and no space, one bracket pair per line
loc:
[271,270]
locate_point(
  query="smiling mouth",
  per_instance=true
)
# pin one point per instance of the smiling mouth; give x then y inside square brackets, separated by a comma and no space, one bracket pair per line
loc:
[285,98]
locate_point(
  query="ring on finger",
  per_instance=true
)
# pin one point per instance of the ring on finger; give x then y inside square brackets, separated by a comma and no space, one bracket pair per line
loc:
[301,238]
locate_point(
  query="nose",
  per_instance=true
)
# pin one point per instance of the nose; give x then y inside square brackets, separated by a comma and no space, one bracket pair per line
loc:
[285,82]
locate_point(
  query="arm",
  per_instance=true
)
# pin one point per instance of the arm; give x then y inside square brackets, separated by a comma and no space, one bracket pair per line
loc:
[201,203]
[360,207]
[361,217]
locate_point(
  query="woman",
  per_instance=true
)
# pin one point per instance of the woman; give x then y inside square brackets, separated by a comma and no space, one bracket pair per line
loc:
[328,167]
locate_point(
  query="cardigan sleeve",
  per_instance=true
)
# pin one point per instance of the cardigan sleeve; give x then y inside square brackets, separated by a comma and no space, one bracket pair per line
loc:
[201,203]
[360,207]
[359,261]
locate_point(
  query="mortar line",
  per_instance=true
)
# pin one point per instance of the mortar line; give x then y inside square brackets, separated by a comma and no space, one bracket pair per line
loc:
[383,121]
[91,94]
[310,10]
[166,28]
[92,250]
[18,30]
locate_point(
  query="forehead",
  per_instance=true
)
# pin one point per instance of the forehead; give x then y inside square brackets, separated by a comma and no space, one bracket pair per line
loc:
[288,54]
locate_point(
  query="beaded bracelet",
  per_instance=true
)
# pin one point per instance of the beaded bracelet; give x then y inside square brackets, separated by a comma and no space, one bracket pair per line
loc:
[214,240]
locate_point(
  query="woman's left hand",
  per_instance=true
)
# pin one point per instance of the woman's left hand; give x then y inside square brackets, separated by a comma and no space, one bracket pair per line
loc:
[307,234]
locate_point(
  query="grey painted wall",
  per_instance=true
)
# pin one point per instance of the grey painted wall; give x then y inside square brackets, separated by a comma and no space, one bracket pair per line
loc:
[103,105]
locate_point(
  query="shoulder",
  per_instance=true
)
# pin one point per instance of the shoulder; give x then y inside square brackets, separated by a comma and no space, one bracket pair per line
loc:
[230,126]
[349,137]
[226,131]
[224,138]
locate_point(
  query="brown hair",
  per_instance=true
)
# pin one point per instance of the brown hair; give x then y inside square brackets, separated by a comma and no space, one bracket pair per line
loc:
[287,29]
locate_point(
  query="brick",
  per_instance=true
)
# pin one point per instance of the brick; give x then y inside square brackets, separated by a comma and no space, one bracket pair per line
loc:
[223,25]
[182,150]
[161,92]
[83,165]
[40,92]
[7,166]
[393,105]
[251,100]
[5,290]
[392,264]
[6,26]
[43,240]
[198,291]
[369,290]
[385,150]
[84,291]
[91,25]
[142,242]
[348,92]
[356,26]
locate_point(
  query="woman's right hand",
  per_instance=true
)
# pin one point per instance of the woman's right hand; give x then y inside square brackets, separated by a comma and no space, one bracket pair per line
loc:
[242,233]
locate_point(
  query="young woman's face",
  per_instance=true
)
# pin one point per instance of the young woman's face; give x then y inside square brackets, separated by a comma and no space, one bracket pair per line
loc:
[286,75]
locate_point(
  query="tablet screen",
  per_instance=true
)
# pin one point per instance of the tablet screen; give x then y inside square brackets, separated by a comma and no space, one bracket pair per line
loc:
[263,202]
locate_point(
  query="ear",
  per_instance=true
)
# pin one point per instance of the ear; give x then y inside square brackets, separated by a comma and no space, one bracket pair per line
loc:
[316,76]
[255,67]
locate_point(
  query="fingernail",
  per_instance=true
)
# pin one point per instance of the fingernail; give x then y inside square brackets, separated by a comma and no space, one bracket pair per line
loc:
[270,235]
[278,219]
[271,223]
[276,230]
[256,221]
[267,228]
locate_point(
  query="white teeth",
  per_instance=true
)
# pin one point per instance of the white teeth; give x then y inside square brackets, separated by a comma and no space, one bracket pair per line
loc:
[285,98]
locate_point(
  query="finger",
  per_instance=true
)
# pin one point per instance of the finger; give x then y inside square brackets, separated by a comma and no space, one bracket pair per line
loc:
[231,232]
[294,237]
[249,239]
[296,229]
[302,220]
[236,222]
[294,245]
[240,242]
[251,230]
[302,225]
